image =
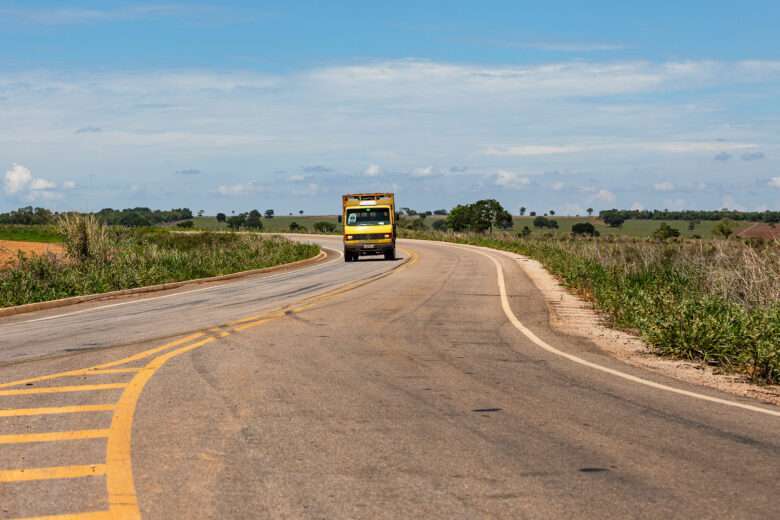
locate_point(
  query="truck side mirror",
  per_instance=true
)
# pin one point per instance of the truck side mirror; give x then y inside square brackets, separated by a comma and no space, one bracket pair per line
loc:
[340,218]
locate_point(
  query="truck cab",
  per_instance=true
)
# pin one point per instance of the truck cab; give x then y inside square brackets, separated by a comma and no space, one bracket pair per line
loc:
[369,225]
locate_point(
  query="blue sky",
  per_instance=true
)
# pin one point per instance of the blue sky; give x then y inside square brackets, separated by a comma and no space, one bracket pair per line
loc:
[285,105]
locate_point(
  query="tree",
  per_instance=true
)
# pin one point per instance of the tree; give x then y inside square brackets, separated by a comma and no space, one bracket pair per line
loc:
[522,210]
[613,221]
[440,225]
[525,232]
[541,222]
[440,212]
[552,212]
[134,219]
[235,222]
[186,224]
[533,213]
[723,229]
[295,227]
[221,217]
[584,228]
[324,227]
[201,212]
[300,212]
[459,218]
[269,213]
[481,216]
[665,232]
[253,220]
[590,212]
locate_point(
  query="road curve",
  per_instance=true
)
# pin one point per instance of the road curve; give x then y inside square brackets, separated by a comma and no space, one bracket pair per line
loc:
[412,396]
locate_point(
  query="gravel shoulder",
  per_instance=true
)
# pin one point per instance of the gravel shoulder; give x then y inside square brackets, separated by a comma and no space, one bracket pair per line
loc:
[575,316]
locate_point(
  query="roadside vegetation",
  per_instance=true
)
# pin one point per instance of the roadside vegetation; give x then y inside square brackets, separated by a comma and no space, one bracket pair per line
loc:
[100,258]
[716,301]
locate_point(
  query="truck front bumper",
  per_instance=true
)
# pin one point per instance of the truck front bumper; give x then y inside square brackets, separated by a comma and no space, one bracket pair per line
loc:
[369,248]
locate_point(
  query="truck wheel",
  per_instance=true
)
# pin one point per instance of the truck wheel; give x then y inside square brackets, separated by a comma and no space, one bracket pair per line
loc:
[390,255]
[347,256]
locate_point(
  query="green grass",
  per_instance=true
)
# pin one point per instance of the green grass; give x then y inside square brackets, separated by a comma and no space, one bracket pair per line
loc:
[19,233]
[716,301]
[631,228]
[135,258]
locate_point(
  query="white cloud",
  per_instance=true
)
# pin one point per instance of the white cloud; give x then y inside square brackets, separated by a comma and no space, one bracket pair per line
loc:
[663,186]
[427,171]
[311,188]
[42,184]
[672,147]
[239,189]
[296,178]
[20,182]
[68,185]
[774,182]
[396,113]
[605,196]
[557,186]
[637,206]
[17,178]
[512,180]
[373,170]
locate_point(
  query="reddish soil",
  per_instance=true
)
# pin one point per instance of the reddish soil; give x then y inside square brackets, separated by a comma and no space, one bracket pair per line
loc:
[10,248]
[760,230]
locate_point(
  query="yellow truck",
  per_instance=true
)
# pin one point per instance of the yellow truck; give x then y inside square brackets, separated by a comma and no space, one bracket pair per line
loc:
[369,225]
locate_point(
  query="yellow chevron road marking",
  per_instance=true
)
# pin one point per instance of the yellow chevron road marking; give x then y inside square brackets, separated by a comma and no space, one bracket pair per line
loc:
[57,472]
[62,389]
[25,412]
[76,435]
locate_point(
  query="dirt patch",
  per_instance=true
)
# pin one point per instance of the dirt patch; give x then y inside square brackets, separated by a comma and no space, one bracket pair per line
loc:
[761,231]
[576,317]
[9,250]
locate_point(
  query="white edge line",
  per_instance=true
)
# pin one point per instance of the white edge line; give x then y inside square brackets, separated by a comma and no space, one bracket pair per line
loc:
[153,298]
[575,359]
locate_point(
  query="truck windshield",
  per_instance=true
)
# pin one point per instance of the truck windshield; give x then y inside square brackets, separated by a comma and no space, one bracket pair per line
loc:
[368,217]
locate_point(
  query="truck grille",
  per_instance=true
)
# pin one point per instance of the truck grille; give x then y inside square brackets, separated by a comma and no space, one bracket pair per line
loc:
[370,236]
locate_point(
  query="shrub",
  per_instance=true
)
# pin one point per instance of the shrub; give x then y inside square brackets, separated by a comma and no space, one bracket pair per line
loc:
[440,225]
[253,220]
[235,222]
[186,224]
[665,232]
[86,238]
[544,222]
[324,227]
[584,228]
[723,229]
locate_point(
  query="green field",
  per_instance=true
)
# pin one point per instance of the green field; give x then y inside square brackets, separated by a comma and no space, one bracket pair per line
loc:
[631,228]
[21,233]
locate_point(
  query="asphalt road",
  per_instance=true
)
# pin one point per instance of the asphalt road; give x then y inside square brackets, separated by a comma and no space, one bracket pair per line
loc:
[360,390]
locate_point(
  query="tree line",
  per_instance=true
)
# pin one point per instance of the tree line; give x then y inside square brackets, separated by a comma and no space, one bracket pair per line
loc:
[722,214]
[131,217]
